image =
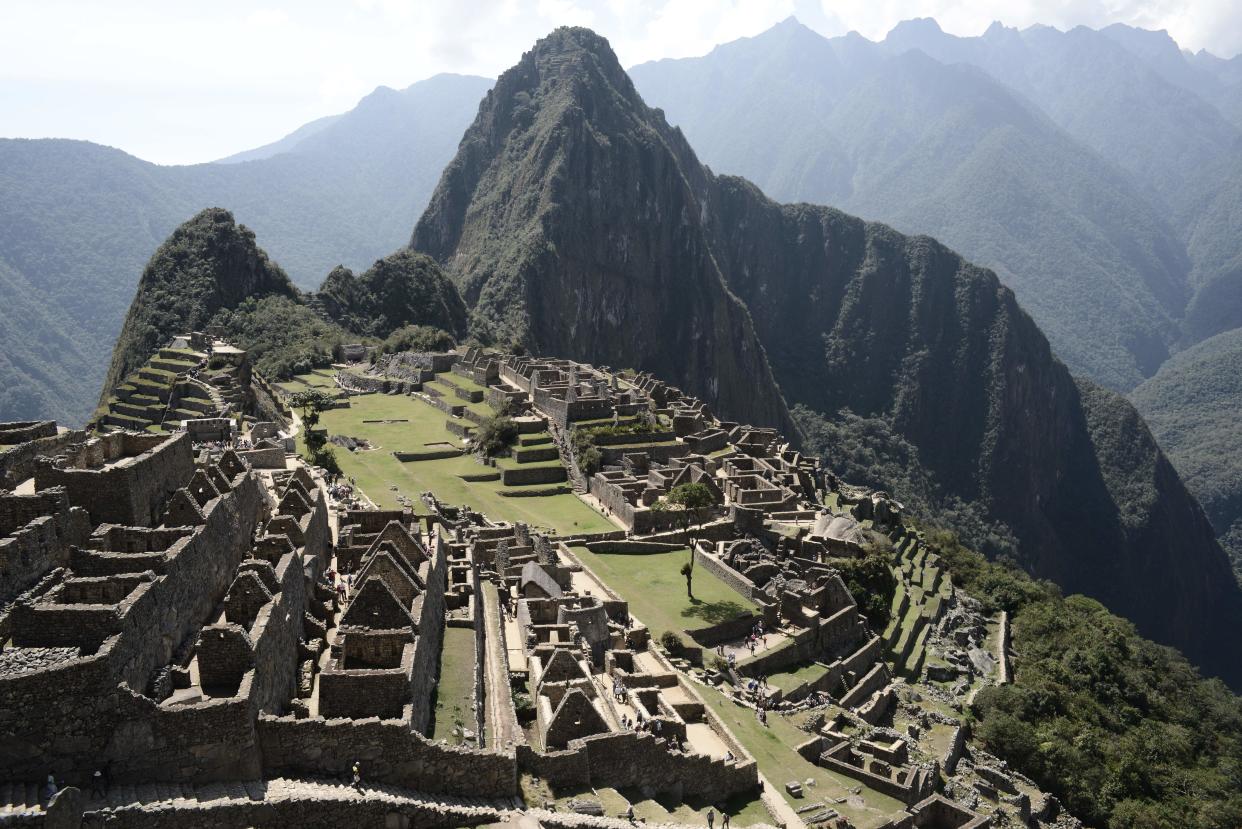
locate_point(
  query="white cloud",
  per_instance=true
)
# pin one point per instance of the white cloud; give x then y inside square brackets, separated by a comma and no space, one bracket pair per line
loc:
[179,82]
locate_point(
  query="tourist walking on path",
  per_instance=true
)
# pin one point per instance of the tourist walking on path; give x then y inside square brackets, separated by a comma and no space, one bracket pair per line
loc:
[357,770]
[724,819]
[711,817]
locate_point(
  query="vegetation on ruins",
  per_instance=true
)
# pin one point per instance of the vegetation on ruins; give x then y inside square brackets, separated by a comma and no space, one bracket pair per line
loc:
[282,337]
[1124,731]
[586,453]
[871,582]
[672,642]
[495,435]
[417,338]
[399,422]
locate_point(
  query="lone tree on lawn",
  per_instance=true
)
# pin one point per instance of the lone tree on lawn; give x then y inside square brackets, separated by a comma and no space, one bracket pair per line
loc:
[310,403]
[689,504]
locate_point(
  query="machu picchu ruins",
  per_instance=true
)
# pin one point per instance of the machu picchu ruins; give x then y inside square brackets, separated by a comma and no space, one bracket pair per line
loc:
[502,606]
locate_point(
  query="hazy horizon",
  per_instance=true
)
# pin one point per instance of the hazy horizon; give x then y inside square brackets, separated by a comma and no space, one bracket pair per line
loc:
[177,88]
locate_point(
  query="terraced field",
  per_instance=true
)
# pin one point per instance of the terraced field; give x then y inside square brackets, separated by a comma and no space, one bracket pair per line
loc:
[922,588]
[408,424]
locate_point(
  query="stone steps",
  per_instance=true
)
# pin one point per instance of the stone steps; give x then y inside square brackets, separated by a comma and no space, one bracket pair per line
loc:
[19,798]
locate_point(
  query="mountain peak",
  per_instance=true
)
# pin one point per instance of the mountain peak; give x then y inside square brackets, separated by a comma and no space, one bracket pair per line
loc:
[916,26]
[208,264]
[533,222]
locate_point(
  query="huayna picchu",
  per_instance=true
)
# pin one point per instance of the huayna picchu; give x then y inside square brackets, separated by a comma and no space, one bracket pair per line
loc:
[573,513]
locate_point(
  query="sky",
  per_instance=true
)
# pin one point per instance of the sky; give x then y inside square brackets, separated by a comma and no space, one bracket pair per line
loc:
[178,82]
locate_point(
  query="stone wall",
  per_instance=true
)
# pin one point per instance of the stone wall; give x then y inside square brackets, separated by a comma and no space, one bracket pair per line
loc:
[430,639]
[363,692]
[631,439]
[273,458]
[388,751]
[872,681]
[727,631]
[428,454]
[39,530]
[627,758]
[520,475]
[319,806]
[131,491]
[726,574]
[275,634]
[17,463]
[43,711]
[20,431]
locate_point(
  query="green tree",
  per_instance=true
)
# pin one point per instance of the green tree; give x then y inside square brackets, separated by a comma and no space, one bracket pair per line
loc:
[871,582]
[310,403]
[417,338]
[689,505]
[495,435]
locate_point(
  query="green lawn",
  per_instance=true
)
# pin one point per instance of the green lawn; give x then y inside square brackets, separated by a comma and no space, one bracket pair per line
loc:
[454,693]
[788,680]
[772,746]
[322,378]
[450,396]
[656,590]
[376,471]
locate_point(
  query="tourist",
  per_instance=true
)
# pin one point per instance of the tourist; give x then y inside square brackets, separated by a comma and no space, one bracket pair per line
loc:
[729,758]
[97,787]
[50,788]
[724,819]
[357,770]
[711,817]
[629,812]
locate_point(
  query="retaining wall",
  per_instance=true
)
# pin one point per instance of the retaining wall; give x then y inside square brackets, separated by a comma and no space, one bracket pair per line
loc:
[388,751]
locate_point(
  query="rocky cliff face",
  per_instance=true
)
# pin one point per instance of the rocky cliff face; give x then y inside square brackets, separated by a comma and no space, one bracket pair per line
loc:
[855,315]
[209,263]
[577,222]
[571,221]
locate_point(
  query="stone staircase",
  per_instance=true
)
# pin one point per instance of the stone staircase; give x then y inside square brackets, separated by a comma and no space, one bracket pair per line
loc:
[576,478]
[19,799]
